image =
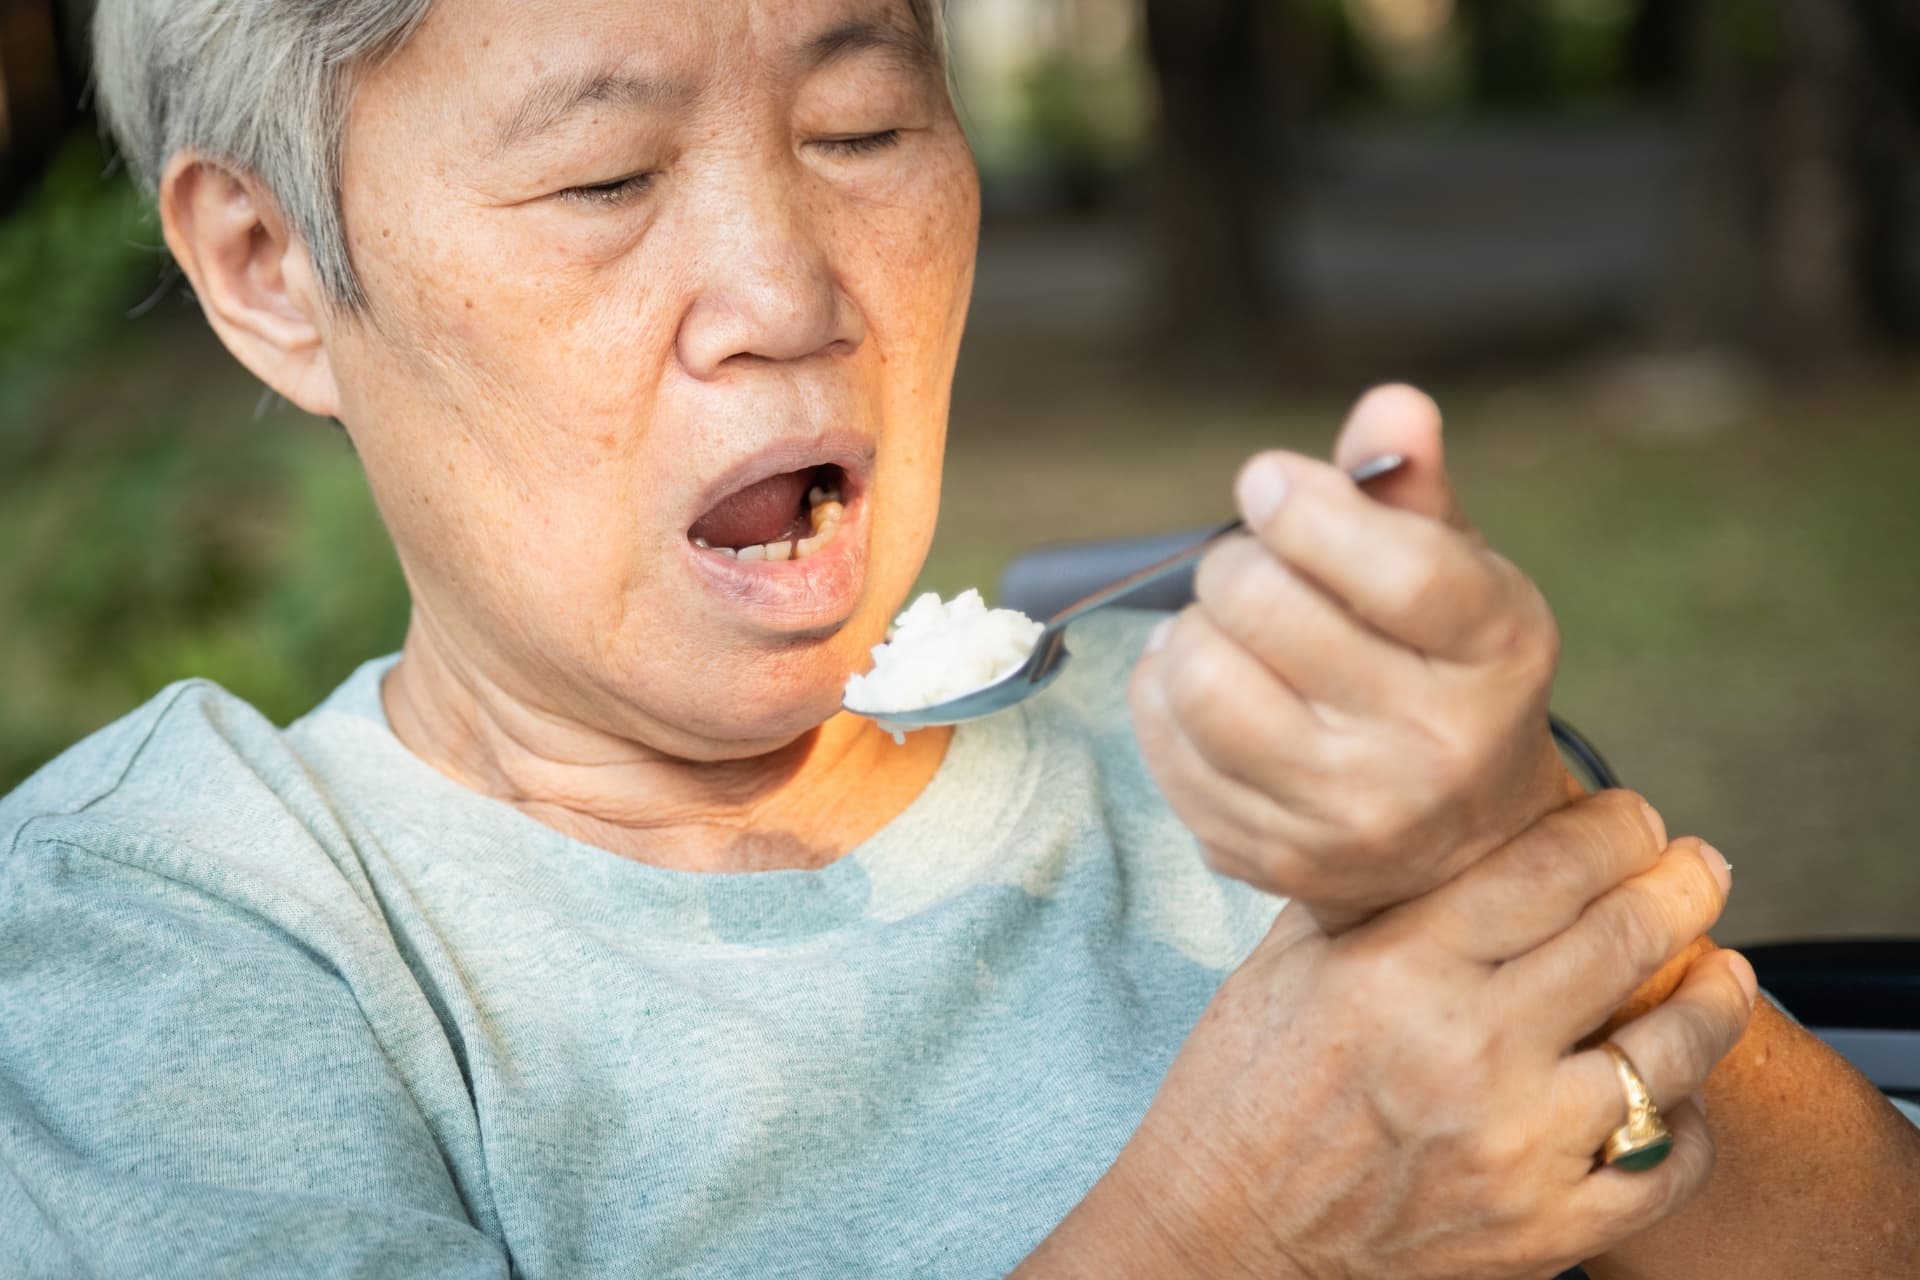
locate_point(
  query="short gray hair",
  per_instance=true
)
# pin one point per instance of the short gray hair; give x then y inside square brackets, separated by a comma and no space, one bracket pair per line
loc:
[263,85]
[260,84]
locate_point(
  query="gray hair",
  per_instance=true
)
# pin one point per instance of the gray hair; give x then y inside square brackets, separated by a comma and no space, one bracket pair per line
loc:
[263,85]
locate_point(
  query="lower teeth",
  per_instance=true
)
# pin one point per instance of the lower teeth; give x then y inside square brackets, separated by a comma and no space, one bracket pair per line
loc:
[823,517]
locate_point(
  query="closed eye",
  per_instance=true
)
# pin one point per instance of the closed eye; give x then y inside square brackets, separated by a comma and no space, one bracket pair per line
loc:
[861,144]
[615,192]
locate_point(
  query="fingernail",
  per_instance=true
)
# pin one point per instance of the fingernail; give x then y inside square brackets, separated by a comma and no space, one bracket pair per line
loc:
[1744,975]
[1263,488]
[1157,638]
[1700,1102]
[1655,821]
[1721,868]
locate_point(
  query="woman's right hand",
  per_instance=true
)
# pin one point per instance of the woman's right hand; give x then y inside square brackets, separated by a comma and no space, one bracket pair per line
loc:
[1409,1099]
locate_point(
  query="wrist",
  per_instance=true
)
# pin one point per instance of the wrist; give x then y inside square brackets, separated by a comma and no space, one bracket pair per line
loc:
[1144,1221]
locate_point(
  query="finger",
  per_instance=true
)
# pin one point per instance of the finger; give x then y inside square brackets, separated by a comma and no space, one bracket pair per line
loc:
[1536,886]
[1299,632]
[1234,822]
[1618,1204]
[1398,419]
[1622,939]
[1245,720]
[1673,1047]
[1408,576]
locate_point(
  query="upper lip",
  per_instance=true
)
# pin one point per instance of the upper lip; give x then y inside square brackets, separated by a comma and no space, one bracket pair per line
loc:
[851,452]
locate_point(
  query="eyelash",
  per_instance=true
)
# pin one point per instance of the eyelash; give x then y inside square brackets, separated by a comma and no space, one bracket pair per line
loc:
[610,193]
[865,144]
[622,189]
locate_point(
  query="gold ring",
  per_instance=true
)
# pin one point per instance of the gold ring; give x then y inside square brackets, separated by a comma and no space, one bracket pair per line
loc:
[1644,1140]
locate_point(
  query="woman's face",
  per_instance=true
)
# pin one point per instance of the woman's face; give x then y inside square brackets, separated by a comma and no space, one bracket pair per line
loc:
[626,260]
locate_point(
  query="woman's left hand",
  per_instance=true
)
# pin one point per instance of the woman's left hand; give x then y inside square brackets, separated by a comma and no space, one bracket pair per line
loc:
[1355,708]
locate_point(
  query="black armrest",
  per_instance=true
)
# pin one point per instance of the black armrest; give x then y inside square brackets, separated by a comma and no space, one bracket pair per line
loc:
[1854,982]
[1047,580]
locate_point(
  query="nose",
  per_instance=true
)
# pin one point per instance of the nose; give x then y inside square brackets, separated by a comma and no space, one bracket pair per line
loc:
[768,288]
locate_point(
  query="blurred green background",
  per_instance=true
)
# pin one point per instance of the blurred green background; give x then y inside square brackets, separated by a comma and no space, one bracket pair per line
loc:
[1660,262]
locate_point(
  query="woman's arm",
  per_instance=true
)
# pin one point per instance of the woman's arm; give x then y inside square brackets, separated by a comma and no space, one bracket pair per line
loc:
[1398,1101]
[187,1091]
[1817,1174]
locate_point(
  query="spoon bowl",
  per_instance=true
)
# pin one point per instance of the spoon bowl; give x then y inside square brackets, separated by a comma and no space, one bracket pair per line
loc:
[1050,655]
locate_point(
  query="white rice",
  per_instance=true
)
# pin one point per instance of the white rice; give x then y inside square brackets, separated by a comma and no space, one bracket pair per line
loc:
[939,651]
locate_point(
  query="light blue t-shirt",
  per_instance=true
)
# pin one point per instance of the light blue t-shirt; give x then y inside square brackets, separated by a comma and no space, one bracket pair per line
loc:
[292,1003]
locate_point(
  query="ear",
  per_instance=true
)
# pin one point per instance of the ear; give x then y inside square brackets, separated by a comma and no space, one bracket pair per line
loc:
[253,276]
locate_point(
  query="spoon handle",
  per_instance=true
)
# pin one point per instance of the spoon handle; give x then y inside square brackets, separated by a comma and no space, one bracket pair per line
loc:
[1371,469]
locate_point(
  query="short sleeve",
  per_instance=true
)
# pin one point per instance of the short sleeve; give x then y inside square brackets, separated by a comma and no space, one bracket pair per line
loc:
[187,1091]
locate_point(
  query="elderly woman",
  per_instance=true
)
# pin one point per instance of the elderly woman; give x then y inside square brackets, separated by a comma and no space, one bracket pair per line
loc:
[587,938]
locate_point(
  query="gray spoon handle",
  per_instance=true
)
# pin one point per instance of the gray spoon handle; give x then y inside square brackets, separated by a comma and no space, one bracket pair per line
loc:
[1372,469]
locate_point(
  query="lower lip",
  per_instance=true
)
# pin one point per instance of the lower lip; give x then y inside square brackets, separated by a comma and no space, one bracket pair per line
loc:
[809,594]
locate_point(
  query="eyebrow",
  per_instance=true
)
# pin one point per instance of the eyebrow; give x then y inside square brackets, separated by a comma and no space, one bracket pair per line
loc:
[557,96]
[859,35]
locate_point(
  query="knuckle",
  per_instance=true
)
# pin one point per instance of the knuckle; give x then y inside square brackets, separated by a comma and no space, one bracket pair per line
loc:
[1222,842]
[1558,881]
[1383,972]
[1697,899]
[1196,684]
[1548,640]
[1672,1052]
[1412,586]
[1700,1042]
[1499,1159]
[1609,840]
[1637,922]
[1618,820]
[1530,629]
[1694,1158]
[1231,586]
[1373,830]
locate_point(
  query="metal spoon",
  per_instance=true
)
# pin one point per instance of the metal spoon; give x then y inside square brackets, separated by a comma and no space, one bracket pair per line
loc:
[1050,654]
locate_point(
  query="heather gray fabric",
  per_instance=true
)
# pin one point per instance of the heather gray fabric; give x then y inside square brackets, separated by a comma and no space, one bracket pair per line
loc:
[291,1003]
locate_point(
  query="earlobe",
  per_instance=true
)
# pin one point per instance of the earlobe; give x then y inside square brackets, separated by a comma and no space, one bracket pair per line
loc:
[253,276]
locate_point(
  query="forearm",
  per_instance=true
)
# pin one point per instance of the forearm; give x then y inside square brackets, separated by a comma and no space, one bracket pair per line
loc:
[1816,1173]
[1136,1224]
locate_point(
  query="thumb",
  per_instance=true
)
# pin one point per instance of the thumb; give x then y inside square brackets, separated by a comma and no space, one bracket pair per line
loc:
[1400,419]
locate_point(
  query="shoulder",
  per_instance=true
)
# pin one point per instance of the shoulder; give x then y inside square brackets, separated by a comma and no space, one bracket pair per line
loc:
[1104,648]
[1210,918]
[1088,703]
[196,787]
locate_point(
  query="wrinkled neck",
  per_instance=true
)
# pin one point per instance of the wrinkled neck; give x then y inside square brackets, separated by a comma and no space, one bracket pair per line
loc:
[799,806]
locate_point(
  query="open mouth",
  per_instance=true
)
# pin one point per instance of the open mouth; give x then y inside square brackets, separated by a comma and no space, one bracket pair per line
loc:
[784,517]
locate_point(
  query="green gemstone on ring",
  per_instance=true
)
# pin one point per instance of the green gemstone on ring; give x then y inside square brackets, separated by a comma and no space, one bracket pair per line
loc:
[1645,1157]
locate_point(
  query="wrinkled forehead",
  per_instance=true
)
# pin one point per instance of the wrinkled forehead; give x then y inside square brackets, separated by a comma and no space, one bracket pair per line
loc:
[507,68]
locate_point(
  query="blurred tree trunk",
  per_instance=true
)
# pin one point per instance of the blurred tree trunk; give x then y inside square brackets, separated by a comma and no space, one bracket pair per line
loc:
[1229,80]
[34,104]
[1889,133]
[1807,141]
[1509,58]
[1816,223]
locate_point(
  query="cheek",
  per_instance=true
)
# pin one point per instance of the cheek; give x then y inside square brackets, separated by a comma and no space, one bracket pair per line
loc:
[511,331]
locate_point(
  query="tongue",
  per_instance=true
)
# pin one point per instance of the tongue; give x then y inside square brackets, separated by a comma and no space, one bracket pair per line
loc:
[758,513]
